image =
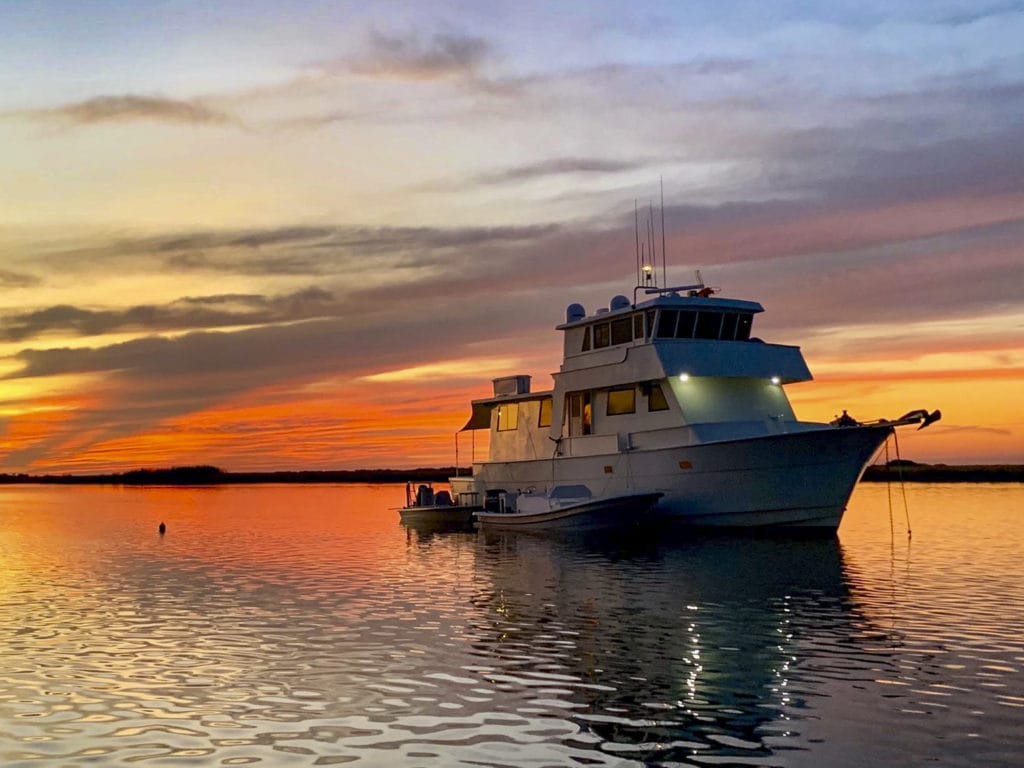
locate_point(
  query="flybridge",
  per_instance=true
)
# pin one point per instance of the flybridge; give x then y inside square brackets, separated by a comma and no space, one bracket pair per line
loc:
[668,316]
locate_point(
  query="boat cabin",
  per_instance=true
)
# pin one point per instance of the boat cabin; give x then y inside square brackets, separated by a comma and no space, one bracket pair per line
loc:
[676,369]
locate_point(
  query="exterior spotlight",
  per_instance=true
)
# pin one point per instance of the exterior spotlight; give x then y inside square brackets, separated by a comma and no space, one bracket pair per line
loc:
[684,377]
[776,380]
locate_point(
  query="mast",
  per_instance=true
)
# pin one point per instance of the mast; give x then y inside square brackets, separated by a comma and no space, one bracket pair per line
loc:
[664,257]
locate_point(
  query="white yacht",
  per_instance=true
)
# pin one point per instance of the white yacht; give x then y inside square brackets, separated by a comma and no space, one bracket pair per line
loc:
[674,395]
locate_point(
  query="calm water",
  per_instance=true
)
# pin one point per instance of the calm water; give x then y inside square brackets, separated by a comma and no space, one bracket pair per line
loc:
[305,626]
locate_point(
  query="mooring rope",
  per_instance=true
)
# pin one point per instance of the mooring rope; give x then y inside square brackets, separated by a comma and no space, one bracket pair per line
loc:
[888,488]
[903,485]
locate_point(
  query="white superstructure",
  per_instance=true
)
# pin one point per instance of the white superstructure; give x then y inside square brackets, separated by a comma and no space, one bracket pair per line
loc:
[674,395]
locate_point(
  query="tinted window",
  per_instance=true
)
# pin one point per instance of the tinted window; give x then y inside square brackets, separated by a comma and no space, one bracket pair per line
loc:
[729,326]
[601,335]
[638,326]
[622,330]
[687,321]
[650,323]
[743,327]
[656,399]
[708,325]
[667,323]
[586,338]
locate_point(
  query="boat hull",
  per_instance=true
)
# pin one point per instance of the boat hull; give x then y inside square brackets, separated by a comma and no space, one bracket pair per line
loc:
[596,514]
[797,480]
[436,515]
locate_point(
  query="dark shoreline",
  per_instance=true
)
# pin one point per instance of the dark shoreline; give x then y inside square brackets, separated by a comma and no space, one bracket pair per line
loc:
[906,471]
[912,472]
[205,475]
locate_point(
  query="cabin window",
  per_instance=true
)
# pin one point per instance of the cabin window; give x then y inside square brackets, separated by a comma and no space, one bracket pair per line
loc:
[743,327]
[622,331]
[687,321]
[729,321]
[650,323]
[508,417]
[601,336]
[638,326]
[586,339]
[656,398]
[709,325]
[545,413]
[667,323]
[621,401]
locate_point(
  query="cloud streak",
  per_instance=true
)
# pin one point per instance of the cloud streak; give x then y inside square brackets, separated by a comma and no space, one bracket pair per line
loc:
[186,314]
[132,108]
[560,166]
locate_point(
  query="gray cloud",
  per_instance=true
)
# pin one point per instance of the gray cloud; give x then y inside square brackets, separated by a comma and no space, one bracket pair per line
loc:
[185,314]
[299,250]
[557,167]
[131,107]
[409,57]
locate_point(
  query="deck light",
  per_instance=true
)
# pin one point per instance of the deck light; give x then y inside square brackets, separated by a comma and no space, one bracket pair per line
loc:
[684,377]
[776,380]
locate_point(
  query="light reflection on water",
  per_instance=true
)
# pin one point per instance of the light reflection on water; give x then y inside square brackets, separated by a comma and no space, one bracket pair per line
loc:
[305,626]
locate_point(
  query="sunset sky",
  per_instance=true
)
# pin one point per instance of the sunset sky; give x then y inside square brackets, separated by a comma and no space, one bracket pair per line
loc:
[269,235]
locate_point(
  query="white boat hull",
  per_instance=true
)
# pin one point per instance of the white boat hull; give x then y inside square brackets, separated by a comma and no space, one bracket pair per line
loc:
[795,480]
[593,514]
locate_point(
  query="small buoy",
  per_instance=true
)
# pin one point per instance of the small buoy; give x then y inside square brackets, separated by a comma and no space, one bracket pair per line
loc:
[163,529]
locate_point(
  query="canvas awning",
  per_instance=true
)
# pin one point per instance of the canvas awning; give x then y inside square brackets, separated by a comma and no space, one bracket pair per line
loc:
[480,418]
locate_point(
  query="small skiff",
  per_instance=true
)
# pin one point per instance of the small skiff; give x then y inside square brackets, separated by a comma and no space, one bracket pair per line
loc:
[570,508]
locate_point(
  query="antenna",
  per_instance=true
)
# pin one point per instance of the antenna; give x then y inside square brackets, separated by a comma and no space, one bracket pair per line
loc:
[636,231]
[650,238]
[664,253]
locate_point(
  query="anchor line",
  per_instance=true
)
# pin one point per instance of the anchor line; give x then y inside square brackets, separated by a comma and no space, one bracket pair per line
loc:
[903,485]
[888,488]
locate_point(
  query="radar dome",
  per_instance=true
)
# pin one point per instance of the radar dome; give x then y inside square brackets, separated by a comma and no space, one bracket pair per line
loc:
[619,302]
[574,312]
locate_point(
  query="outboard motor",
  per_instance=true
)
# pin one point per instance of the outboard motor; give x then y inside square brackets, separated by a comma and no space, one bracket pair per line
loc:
[425,496]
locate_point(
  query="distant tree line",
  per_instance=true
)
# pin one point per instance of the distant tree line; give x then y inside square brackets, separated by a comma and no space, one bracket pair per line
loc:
[912,472]
[210,475]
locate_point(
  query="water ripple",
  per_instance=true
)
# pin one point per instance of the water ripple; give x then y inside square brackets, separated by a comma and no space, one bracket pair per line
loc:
[304,626]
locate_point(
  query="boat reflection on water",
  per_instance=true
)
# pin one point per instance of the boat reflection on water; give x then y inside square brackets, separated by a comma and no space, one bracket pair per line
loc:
[664,650]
